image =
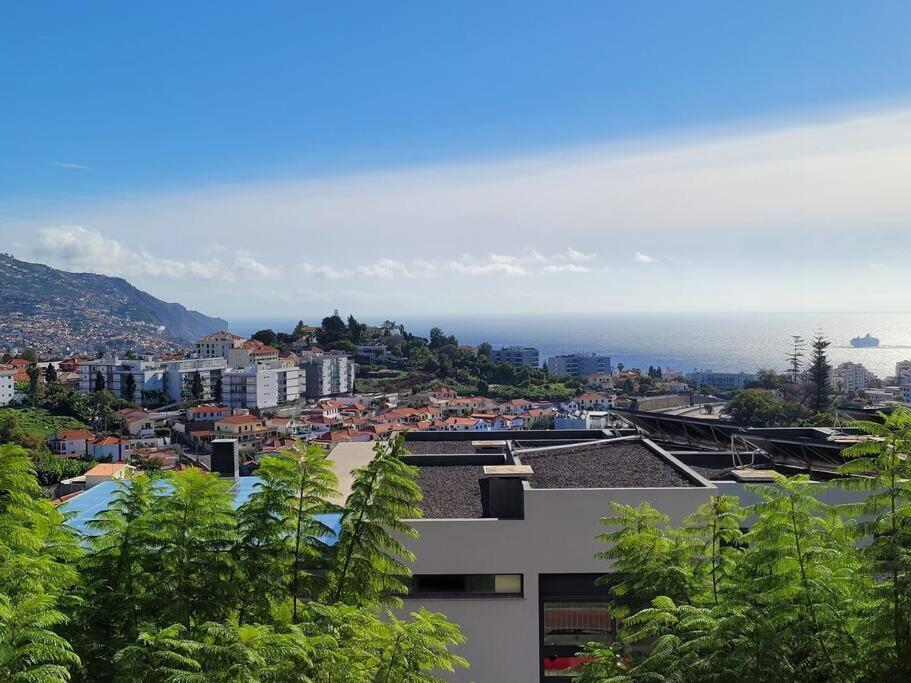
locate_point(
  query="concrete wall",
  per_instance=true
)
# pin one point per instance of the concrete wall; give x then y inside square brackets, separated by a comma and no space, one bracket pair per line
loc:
[556,536]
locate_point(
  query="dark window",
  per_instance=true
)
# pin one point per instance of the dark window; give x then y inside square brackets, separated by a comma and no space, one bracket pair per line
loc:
[466,585]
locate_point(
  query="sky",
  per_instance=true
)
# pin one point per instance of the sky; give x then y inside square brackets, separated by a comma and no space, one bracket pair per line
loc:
[401,158]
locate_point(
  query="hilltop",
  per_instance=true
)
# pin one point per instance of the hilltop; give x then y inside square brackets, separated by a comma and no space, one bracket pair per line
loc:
[57,311]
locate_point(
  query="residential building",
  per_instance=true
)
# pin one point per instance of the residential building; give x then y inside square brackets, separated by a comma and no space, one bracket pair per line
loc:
[251,352]
[208,412]
[179,376]
[261,385]
[724,381]
[110,448]
[113,471]
[372,352]
[578,364]
[148,377]
[507,540]
[327,374]
[519,356]
[903,372]
[217,345]
[849,378]
[71,443]
[7,385]
[249,431]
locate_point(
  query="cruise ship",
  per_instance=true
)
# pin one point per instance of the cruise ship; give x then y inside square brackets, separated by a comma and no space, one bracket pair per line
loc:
[865,341]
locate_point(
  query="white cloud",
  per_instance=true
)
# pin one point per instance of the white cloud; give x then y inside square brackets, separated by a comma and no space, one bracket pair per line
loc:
[494,264]
[745,195]
[567,268]
[574,255]
[64,164]
[76,247]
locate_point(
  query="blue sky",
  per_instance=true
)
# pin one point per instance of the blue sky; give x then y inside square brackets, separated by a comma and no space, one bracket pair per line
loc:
[126,120]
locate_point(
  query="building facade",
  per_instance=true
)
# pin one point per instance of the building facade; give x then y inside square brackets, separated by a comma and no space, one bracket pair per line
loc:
[217,345]
[849,378]
[519,356]
[327,374]
[7,386]
[725,381]
[263,385]
[578,364]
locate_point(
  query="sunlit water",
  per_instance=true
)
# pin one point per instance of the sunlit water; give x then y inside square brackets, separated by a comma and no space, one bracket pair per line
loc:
[723,342]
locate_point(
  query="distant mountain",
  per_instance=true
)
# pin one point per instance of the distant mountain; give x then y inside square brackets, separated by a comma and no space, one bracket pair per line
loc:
[45,308]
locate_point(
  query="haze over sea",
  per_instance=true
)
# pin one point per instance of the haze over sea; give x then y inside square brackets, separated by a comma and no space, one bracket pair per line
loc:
[720,341]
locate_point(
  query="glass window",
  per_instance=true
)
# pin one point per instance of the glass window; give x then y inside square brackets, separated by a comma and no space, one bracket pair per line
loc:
[465,585]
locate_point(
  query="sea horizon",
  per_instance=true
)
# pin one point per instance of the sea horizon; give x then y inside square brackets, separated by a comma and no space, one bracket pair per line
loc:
[724,342]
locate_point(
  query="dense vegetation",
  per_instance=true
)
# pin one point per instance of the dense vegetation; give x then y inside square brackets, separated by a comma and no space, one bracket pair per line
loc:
[810,592]
[175,585]
[433,359]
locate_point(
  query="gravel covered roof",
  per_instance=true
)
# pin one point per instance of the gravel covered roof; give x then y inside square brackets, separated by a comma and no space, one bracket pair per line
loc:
[622,464]
[451,491]
[439,447]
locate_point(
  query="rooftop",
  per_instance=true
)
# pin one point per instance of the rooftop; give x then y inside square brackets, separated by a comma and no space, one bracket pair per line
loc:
[607,465]
[451,491]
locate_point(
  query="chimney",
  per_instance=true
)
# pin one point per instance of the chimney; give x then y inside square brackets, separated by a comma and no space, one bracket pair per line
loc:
[502,493]
[226,458]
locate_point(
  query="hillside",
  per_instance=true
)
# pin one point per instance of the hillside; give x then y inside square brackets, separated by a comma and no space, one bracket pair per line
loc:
[56,311]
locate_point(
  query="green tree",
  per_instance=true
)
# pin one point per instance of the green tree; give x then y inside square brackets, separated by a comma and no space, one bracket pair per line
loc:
[880,466]
[193,530]
[99,381]
[37,555]
[128,388]
[197,391]
[217,389]
[370,560]
[50,373]
[820,370]
[756,408]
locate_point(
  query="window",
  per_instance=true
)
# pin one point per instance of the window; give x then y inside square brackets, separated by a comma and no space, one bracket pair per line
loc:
[466,585]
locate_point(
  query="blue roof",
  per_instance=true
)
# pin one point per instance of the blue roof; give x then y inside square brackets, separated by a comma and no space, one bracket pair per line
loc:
[87,505]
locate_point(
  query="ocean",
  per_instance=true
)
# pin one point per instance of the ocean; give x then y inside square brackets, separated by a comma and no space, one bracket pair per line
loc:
[725,342]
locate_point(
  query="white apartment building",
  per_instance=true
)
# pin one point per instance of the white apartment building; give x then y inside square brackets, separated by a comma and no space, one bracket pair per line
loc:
[578,364]
[849,378]
[217,345]
[179,375]
[7,386]
[148,376]
[263,385]
[328,374]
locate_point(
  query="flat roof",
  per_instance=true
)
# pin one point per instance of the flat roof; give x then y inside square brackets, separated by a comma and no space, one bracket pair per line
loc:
[606,465]
[451,491]
[441,447]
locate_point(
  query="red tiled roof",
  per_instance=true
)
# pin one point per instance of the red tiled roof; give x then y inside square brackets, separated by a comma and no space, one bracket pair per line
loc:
[208,408]
[211,337]
[74,435]
[239,419]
